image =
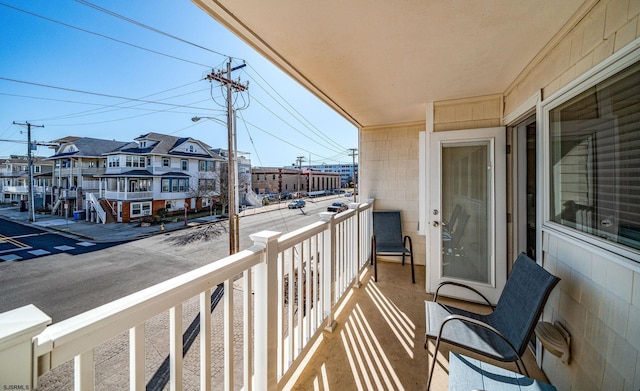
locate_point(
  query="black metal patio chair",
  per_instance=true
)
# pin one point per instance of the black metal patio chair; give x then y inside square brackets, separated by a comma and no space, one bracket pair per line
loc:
[388,240]
[504,333]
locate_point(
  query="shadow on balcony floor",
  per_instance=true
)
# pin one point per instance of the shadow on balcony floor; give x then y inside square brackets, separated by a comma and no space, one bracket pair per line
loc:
[379,341]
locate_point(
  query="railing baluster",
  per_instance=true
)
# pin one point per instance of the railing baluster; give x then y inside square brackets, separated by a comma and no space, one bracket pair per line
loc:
[308,283]
[84,371]
[329,270]
[248,328]
[136,358]
[205,340]
[228,335]
[281,315]
[291,304]
[300,302]
[175,347]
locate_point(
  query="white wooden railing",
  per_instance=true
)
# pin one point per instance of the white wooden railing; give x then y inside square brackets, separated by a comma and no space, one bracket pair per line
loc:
[291,285]
[127,195]
[92,202]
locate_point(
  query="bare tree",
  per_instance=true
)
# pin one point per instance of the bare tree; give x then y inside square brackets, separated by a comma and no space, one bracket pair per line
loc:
[206,186]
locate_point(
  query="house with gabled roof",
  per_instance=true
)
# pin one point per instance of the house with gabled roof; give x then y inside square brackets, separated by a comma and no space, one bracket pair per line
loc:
[14,177]
[76,163]
[156,172]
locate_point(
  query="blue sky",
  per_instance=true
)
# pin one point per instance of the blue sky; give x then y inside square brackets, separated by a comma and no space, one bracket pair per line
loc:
[77,71]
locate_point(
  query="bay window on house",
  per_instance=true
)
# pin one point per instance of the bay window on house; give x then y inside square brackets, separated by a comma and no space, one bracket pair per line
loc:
[594,161]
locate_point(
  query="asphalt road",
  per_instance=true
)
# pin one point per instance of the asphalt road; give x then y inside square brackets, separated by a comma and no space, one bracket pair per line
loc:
[19,242]
[65,284]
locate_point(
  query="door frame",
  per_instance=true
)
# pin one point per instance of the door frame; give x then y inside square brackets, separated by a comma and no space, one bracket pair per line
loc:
[498,276]
[529,108]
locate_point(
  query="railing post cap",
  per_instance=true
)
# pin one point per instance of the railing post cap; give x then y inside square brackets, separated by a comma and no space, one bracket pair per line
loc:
[265,236]
[21,324]
[326,216]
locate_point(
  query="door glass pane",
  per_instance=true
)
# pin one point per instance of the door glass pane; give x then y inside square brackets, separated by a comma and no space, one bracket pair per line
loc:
[466,212]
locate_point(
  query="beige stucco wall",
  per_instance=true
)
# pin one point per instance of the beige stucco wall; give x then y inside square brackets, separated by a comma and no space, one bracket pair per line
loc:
[598,299]
[388,159]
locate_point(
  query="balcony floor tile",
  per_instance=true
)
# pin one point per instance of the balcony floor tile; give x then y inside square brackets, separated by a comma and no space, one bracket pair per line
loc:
[379,341]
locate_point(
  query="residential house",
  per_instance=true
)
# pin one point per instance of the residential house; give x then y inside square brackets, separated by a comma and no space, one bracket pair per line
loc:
[78,161]
[159,172]
[14,180]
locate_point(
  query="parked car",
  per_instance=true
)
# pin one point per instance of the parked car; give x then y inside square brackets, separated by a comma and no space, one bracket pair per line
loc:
[337,207]
[295,204]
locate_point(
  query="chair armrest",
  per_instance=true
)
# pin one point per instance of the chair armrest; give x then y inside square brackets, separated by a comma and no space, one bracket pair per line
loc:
[479,323]
[435,297]
[404,243]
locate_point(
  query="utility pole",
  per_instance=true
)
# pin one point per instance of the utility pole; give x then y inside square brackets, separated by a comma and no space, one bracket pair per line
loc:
[224,77]
[299,160]
[32,215]
[353,152]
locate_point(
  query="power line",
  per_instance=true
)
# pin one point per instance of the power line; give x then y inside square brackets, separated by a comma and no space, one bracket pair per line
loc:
[135,22]
[317,131]
[100,94]
[103,36]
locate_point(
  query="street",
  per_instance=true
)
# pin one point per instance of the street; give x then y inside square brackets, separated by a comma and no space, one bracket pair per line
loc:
[65,284]
[19,242]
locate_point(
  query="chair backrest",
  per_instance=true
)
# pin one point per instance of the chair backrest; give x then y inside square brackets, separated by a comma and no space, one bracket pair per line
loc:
[456,235]
[522,301]
[387,227]
[454,217]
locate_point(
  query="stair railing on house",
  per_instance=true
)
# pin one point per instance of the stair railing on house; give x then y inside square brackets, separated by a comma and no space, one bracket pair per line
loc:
[290,287]
[93,202]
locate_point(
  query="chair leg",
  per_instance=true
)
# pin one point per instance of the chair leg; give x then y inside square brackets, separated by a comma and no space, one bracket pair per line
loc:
[433,362]
[413,273]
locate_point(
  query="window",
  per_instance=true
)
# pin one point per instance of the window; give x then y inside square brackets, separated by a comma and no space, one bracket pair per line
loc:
[114,161]
[174,185]
[207,165]
[166,162]
[206,185]
[184,164]
[594,144]
[135,161]
[140,209]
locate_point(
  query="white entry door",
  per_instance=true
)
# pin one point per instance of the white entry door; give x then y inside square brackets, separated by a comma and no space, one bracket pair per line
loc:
[467,211]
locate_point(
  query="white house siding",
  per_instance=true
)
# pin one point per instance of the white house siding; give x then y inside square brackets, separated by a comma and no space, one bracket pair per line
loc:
[598,299]
[389,173]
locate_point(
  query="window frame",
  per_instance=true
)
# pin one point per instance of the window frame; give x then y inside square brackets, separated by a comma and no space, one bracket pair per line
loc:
[618,62]
[144,206]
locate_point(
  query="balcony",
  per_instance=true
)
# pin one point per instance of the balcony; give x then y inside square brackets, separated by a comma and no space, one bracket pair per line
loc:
[128,195]
[15,189]
[297,308]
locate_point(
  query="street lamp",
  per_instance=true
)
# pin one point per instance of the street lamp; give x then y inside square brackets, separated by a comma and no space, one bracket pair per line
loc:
[233,234]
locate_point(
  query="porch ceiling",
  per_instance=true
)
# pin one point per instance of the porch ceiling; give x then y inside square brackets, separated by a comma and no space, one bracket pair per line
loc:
[378,62]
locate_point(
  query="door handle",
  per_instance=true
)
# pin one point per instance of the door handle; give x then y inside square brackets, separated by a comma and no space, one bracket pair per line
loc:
[436,224]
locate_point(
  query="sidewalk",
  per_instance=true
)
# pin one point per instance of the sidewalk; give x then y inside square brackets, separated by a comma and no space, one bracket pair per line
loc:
[96,231]
[125,231]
